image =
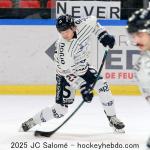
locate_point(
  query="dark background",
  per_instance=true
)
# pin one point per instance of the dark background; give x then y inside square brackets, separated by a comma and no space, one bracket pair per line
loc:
[46,12]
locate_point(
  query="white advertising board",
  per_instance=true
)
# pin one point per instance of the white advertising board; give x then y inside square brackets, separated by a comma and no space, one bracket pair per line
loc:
[100,9]
[23,59]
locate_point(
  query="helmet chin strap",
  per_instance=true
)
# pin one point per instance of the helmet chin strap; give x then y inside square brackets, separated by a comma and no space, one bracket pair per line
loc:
[74,32]
[75,35]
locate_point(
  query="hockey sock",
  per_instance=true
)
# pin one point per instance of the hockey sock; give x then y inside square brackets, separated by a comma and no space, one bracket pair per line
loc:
[106,97]
[48,113]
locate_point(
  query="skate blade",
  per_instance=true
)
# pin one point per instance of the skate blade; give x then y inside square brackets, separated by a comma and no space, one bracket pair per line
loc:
[119,131]
[21,130]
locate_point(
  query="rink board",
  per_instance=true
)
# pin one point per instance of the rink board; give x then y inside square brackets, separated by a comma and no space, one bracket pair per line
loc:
[47,89]
[25,68]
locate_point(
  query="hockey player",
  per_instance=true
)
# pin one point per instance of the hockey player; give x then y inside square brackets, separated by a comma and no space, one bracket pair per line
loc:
[139,28]
[75,72]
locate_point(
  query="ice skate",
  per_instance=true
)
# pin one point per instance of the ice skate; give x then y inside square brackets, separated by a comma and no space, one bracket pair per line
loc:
[116,124]
[27,125]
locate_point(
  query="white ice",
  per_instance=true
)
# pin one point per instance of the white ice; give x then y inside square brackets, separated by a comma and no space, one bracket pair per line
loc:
[89,126]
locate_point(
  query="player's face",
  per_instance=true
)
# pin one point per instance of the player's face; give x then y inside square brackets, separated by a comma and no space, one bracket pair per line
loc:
[142,40]
[68,34]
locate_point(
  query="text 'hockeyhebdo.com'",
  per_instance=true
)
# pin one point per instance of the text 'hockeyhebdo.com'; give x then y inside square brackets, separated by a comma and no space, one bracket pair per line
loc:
[73,145]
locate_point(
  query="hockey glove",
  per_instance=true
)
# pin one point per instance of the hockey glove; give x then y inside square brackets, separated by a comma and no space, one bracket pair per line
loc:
[86,93]
[106,39]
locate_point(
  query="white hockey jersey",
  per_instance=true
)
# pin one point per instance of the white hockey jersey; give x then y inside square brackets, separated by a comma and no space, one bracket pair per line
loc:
[142,73]
[71,57]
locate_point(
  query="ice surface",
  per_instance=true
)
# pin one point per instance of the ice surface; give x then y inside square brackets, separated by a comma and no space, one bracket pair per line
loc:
[86,130]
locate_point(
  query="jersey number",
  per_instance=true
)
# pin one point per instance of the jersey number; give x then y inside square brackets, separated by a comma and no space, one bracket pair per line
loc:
[71,77]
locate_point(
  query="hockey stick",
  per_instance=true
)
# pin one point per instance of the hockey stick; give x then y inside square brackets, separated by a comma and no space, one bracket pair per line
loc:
[50,133]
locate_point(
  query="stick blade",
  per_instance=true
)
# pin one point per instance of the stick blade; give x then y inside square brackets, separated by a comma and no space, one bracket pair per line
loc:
[42,133]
